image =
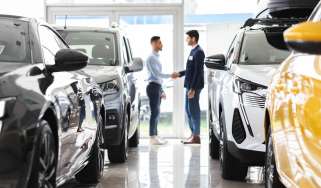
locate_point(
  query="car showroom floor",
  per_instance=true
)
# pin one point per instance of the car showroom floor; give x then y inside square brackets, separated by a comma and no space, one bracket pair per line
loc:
[173,165]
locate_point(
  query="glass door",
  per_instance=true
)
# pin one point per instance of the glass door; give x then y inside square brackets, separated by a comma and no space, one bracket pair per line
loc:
[139,29]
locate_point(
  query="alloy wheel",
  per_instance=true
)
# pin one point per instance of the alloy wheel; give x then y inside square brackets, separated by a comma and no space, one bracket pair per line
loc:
[47,163]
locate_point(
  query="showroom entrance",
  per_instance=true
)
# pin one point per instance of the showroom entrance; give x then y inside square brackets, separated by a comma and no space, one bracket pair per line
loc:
[140,21]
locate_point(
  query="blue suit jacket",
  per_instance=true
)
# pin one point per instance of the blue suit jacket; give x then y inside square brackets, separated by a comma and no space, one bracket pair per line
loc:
[194,73]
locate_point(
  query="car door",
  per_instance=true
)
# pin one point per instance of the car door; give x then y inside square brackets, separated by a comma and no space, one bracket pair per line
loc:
[127,77]
[133,92]
[67,95]
[216,81]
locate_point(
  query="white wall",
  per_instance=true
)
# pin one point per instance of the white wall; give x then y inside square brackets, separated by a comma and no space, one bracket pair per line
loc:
[219,37]
[30,8]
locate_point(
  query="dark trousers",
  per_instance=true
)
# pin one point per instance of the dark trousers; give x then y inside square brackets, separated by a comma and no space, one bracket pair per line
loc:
[193,112]
[154,95]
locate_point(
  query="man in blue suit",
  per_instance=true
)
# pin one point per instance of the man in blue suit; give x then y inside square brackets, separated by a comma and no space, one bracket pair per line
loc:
[194,83]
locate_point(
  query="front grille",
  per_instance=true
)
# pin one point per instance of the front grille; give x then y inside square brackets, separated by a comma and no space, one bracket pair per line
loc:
[254,101]
[238,130]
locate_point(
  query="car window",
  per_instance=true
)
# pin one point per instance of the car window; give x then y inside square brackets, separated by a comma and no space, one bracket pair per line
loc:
[14,45]
[99,46]
[50,44]
[256,48]
[124,52]
[230,52]
[129,50]
[316,14]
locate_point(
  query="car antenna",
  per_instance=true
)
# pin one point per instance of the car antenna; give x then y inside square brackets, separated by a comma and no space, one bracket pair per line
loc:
[65,27]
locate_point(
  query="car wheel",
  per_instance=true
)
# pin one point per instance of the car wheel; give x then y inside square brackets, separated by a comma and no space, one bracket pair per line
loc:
[45,159]
[94,170]
[231,168]
[118,154]
[214,144]
[272,179]
[134,140]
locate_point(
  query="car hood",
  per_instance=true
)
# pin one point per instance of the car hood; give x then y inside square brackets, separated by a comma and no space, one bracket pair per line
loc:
[8,67]
[103,73]
[260,74]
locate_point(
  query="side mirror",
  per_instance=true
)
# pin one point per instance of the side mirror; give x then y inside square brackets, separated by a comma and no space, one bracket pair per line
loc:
[137,66]
[68,60]
[216,62]
[304,38]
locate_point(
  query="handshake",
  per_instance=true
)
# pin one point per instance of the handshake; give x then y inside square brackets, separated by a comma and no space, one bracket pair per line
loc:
[175,75]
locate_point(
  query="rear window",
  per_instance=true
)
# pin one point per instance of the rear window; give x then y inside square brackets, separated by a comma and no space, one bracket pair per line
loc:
[99,46]
[14,46]
[257,50]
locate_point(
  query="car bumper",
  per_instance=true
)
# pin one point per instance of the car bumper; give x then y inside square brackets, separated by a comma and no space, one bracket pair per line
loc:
[249,157]
[244,117]
[112,130]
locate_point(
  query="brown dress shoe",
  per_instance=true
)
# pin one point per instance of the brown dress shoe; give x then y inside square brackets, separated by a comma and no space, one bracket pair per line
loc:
[187,139]
[194,140]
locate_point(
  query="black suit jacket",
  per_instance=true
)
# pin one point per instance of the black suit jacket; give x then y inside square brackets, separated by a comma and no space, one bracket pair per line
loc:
[194,73]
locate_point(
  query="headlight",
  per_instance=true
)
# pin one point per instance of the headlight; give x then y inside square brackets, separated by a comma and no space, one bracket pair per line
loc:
[240,86]
[110,87]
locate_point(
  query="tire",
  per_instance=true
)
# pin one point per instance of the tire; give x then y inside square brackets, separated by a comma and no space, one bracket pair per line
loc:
[118,154]
[231,168]
[214,144]
[44,167]
[134,140]
[94,170]
[272,178]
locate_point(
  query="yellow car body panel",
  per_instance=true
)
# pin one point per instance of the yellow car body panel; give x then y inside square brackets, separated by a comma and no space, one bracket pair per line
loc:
[294,106]
[307,32]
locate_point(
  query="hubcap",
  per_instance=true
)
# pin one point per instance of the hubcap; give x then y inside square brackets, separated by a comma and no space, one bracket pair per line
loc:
[47,166]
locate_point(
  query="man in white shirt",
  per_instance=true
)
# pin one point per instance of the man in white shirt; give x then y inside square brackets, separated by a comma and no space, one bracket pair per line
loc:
[154,89]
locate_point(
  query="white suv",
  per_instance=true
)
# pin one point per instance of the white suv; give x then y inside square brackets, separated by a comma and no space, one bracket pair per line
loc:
[237,86]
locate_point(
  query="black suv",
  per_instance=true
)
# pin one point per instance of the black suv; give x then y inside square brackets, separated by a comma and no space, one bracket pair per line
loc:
[113,67]
[285,8]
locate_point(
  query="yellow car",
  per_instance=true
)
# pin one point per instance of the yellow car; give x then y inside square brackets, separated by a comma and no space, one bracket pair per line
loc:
[293,115]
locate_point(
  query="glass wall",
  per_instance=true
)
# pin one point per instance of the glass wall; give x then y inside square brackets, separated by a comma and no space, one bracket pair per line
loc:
[140,29]
[90,21]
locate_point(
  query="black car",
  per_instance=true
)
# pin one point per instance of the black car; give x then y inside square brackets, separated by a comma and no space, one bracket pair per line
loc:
[285,8]
[115,70]
[50,119]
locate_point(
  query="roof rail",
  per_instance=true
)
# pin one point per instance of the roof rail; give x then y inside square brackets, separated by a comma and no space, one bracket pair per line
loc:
[272,21]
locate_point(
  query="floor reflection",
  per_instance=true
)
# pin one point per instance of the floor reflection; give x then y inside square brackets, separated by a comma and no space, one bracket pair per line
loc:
[173,165]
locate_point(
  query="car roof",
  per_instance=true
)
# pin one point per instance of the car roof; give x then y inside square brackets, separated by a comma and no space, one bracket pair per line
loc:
[263,23]
[84,28]
[17,17]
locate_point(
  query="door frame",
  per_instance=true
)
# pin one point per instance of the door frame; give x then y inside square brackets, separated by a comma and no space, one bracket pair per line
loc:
[114,11]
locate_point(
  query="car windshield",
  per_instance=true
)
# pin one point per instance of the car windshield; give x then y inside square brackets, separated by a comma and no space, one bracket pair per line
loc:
[99,46]
[257,50]
[14,46]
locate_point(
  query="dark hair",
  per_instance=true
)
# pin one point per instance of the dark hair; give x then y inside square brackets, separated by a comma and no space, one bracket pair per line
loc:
[193,33]
[154,39]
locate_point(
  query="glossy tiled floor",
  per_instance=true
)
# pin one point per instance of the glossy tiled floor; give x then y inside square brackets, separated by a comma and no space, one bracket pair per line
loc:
[170,166]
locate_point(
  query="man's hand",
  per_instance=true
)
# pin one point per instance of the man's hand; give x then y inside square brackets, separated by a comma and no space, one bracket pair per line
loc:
[175,75]
[191,93]
[163,96]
